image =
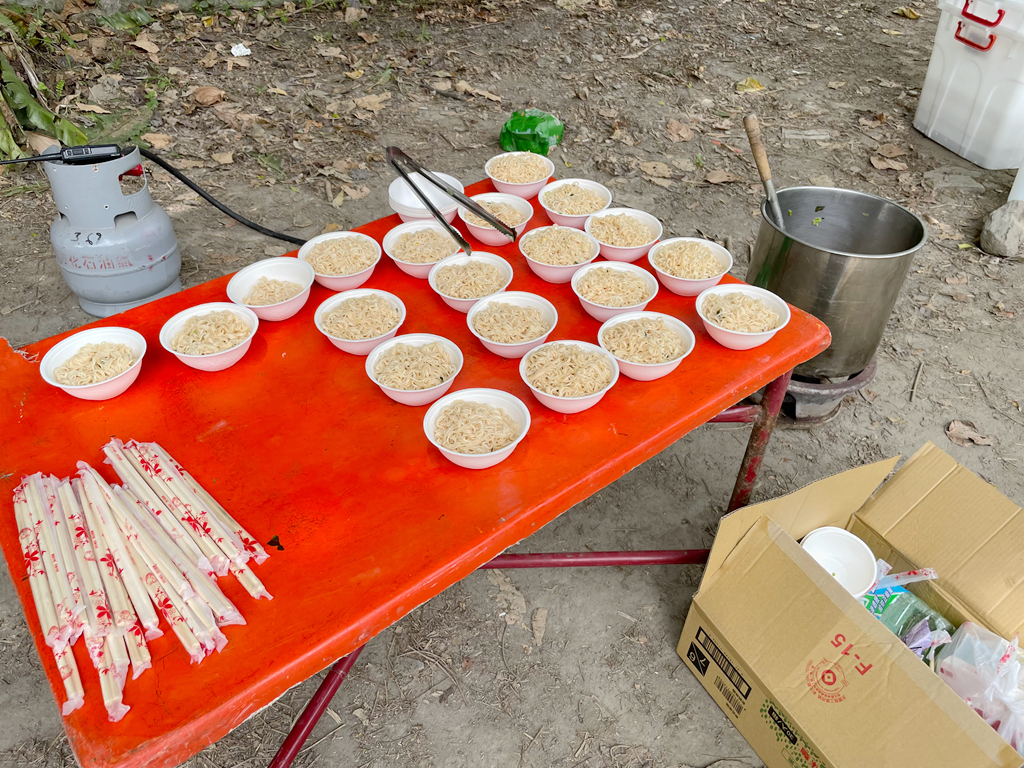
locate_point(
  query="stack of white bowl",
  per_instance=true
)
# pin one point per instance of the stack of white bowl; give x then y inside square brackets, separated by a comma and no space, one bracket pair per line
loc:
[409,207]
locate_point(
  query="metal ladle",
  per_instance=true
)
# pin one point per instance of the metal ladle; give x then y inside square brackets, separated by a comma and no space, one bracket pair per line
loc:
[763,169]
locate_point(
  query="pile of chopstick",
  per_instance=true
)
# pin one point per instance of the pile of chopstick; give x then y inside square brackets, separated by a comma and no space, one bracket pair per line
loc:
[103,559]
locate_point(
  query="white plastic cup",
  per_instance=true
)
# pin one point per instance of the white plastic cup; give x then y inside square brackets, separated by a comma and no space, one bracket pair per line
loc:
[64,350]
[511,404]
[519,299]
[741,340]
[683,286]
[846,557]
[279,268]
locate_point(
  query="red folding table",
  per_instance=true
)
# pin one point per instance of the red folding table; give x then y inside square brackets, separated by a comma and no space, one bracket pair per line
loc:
[297,443]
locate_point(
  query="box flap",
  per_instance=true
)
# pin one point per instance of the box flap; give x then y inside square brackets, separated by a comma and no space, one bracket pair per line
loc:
[939,514]
[831,501]
[856,691]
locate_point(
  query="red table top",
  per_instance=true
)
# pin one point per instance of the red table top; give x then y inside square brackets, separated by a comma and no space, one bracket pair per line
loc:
[295,441]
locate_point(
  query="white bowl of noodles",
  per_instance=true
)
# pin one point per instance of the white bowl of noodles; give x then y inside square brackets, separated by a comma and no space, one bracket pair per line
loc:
[565,251]
[280,286]
[482,273]
[95,364]
[420,240]
[610,288]
[514,208]
[750,310]
[205,338]
[678,260]
[410,363]
[625,234]
[522,174]
[569,376]
[477,428]
[646,345]
[582,196]
[340,265]
[372,318]
[523,320]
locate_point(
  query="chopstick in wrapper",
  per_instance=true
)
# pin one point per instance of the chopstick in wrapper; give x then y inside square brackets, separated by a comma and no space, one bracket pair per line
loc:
[59,587]
[41,594]
[62,535]
[97,611]
[73,689]
[170,612]
[155,557]
[248,580]
[138,652]
[116,708]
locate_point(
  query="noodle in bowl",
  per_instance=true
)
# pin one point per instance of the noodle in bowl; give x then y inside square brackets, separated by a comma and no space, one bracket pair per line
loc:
[341,260]
[646,345]
[210,337]
[569,376]
[95,364]
[519,173]
[406,367]
[486,233]
[370,317]
[261,278]
[461,281]
[501,307]
[622,231]
[607,289]
[419,246]
[740,316]
[477,428]
[676,262]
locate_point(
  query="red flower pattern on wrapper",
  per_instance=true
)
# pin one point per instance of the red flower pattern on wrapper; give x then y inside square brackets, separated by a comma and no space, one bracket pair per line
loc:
[108,560]
[81,536]
[33,565]
[136,630]
[250,545]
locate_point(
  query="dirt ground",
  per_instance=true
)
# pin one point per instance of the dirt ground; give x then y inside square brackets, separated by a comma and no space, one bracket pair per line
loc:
[465,680]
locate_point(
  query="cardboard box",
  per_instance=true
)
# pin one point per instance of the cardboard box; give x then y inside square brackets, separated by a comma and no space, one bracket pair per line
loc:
[808,676]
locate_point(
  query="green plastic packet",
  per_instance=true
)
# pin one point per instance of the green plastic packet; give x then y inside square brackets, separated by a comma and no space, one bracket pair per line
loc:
[531,130]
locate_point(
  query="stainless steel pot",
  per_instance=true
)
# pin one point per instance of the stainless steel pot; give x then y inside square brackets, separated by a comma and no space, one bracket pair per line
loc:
[843,258]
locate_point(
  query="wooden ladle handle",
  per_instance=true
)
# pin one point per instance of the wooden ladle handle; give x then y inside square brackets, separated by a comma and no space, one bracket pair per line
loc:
[757,147]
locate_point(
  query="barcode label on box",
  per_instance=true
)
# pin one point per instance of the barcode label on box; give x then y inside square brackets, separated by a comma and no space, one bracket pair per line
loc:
[731,698]
[723,663]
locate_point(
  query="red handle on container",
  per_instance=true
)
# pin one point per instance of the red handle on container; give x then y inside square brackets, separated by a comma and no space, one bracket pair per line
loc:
[971,43]
[979,20]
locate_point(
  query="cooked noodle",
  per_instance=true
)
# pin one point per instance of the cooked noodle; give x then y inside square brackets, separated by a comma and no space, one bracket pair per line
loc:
[509,323]
[424,246]
[643,340]
[610,287]
[474,428]
[507,214]
[268,291]
[566,370]
[93,363]
[687,259]
[522,168]
[620,230]
[407,367]
[341,256]
[211,333]
[363,317]
[573,200]
[737,311]
[472,280]
[558,246]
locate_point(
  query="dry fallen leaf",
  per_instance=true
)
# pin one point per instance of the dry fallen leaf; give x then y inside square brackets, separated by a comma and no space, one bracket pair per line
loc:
[666,183]
[79,55]
[278,91]
[678,131]
[332,53]
[609,112]
[964,433]
[487,94]
[356,194]
[441,85]
[368,38]
[354,14]
[143,42]
[40,142]
[684,164]
[836,85]
[208,95]
[224,158]
[908,13]
[721,177]
[157,140]
[750,85]
[209,59]
[374,102]
[355,74]
[892,32]
[882,164]
[92,108]
[891,150]
[539,623]
[656,169]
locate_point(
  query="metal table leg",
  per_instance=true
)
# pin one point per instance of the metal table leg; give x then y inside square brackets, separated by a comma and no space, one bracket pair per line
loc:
[761,433]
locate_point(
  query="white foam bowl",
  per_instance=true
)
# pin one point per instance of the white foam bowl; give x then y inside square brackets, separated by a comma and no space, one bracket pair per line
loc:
[618,253]
[280,268]
[846,557]
[219,360]
[574,221]
[570,404]
[525,191]
[741,339]
[489,235]
[464,305]
[449,216]
[685,286]
[405,202]
[416,270]
[649,371]
[553,273]
[361,346]
[519,299]
[64,350]
[415,396]
[602,313]
[512,405]
[341,282]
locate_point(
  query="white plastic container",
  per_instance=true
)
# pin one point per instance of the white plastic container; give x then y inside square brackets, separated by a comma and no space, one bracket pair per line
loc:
[341,282]
[527,190]
[685,286]
[571,404]
[408,206]
[360,346]
[415,396]
[568,220]
[620,253]
[62,351]
[742,340]
[416,270]
[603,313]
[649,371]
[218,361]
[464,305]
[489,235]
[520,299]
[846,557]
[972,101]
[554,273]
[279,268]
[512,405]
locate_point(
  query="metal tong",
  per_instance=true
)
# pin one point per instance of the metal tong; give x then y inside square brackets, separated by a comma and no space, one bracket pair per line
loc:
[398,158]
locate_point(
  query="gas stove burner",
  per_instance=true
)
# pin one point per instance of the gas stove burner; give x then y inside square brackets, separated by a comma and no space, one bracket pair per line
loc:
[812,401]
